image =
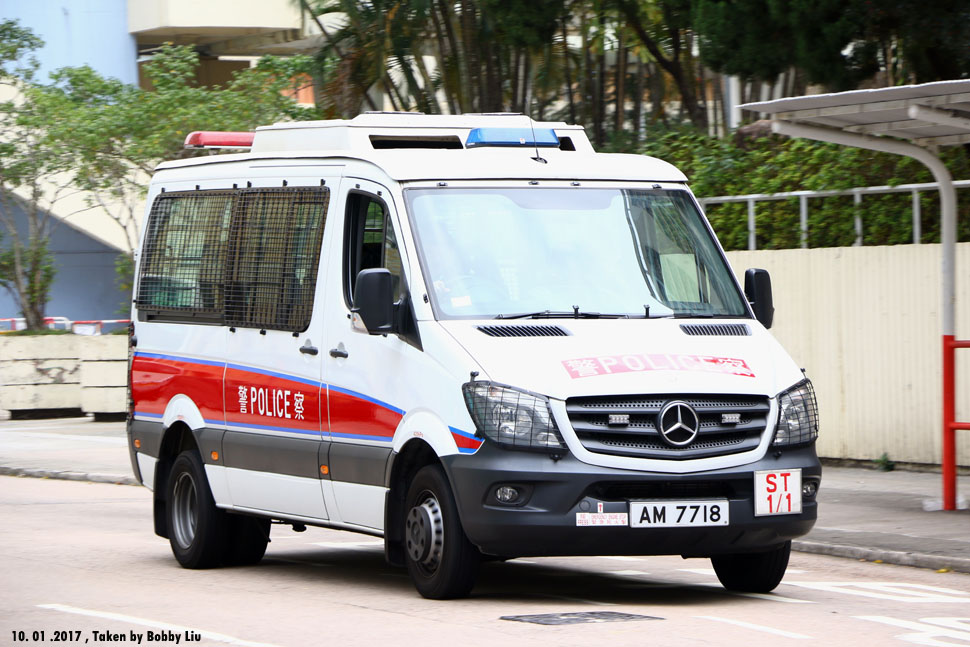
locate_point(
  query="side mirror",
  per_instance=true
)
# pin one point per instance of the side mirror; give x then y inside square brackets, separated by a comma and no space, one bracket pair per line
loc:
[374,301]
[757,289]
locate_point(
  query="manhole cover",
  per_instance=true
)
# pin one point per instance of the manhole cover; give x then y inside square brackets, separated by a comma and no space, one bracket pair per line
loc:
[578,617]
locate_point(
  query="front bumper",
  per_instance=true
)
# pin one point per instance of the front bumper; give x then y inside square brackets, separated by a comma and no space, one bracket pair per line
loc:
[545,523]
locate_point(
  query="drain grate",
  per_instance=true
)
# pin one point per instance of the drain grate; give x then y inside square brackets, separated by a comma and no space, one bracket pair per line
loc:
[578,617]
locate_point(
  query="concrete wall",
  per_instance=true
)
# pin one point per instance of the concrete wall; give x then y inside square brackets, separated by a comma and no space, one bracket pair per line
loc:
[41,372]
[104,373]
[865,324]
[64,372]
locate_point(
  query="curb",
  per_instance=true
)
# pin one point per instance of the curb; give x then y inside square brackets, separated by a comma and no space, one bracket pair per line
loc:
[115,479]
[900,558]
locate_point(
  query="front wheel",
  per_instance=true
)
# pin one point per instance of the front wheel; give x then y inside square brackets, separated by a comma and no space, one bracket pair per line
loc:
[441,561]
[753,572]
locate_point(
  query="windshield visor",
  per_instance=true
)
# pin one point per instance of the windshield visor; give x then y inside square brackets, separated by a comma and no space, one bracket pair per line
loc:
[502,252]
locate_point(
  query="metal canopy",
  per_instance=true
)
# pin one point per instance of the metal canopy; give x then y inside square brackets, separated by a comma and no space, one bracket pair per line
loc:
[912,120]
[931,114]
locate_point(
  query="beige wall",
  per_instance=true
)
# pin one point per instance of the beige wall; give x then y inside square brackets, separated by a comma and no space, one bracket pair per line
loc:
[865,324]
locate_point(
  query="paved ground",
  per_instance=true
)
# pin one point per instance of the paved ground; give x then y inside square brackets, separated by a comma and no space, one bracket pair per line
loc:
[81,559]
[864,514]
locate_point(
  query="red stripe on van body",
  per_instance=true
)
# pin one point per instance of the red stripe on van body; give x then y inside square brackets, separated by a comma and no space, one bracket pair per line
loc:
[353,416]
[155,381]
[464,442]
[254,398]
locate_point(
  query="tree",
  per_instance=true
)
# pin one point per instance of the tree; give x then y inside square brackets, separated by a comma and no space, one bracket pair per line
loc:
[664,28]
[83,132]
[837,43]
[119,133]
[488,54]
[31,177]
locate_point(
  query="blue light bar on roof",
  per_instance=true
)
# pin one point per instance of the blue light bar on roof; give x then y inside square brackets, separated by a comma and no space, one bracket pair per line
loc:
[543,137]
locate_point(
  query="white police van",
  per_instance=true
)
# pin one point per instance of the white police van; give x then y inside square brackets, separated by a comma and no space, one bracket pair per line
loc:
[470,335]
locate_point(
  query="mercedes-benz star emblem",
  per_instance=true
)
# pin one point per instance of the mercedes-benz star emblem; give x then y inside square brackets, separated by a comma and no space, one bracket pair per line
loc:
[678,423]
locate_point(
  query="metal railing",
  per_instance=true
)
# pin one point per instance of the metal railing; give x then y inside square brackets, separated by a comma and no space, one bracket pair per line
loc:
[804,196]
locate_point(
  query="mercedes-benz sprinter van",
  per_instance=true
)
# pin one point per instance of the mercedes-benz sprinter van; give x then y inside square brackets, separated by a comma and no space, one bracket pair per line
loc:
[470,335]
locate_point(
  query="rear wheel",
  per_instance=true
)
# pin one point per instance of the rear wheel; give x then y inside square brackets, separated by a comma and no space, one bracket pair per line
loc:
[247,538]
[441,561]
[196,527]
[753,572]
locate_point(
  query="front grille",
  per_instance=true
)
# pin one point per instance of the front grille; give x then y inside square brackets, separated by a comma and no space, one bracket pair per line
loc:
[639,437]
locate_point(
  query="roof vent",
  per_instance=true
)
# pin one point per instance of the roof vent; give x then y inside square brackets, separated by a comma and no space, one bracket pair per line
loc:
[385,142]
[717,330]
[524,331]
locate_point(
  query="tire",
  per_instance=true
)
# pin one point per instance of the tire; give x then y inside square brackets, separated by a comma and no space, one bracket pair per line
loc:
[441,561]
[246,540]
[196,527]
[753,572]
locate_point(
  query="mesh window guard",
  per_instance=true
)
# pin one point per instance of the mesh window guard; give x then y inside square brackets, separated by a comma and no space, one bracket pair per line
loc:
[273,257]
[184,256]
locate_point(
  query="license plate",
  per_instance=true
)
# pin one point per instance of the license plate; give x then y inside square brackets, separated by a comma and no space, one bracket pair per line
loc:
[678,514]
[777,492]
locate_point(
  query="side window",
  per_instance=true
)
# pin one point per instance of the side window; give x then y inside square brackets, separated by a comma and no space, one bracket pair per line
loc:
[274,253]
[678,252]
[370,242]
[245,257]
[184,256]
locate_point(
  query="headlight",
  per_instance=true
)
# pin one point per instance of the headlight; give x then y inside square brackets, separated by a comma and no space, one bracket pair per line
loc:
[797,415]
[511,417]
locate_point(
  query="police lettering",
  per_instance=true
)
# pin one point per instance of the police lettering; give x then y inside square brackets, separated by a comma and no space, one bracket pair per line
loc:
[273,403]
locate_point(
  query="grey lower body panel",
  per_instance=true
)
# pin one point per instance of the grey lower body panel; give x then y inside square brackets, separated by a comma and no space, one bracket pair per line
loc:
[544,522]
[276,454]
[363,464]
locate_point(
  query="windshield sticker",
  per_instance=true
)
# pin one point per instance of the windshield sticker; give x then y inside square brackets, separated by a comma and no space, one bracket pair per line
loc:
[636,363]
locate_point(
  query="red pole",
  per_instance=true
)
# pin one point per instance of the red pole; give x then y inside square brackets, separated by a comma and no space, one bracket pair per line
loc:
[949,422]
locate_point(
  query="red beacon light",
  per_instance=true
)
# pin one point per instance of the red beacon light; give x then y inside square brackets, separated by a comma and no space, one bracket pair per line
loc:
[219,139]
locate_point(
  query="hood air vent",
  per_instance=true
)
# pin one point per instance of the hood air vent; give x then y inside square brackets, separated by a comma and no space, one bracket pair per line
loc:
[717,330]
[524,331]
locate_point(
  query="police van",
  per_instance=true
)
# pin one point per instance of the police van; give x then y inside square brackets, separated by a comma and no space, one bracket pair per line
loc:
[470,335]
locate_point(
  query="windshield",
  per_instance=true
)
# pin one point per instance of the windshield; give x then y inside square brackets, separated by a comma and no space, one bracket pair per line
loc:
[502,252]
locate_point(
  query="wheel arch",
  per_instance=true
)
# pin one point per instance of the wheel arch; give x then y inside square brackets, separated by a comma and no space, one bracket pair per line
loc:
[402,466]
[176,439]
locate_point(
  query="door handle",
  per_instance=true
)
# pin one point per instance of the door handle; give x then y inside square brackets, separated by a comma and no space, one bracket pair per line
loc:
[339,352]
[309,349]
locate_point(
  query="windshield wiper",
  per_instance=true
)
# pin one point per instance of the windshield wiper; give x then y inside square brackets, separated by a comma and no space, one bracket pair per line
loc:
[575,313]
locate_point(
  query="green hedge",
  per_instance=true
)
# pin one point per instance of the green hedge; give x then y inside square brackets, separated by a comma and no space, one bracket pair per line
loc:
[738,165]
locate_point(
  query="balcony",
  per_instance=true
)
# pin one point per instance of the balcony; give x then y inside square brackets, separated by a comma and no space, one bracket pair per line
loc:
[221,27]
